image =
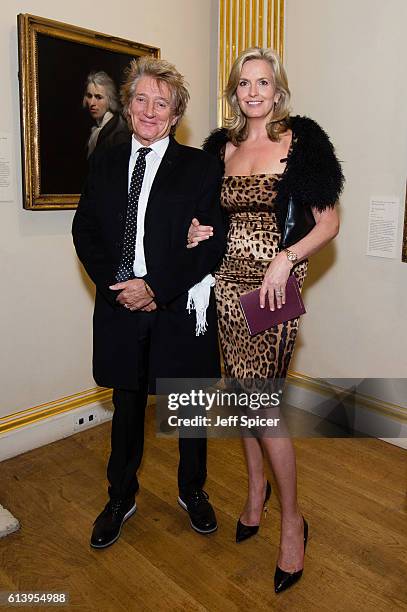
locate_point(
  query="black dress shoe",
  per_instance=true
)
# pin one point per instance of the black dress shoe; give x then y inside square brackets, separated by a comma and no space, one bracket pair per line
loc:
[108,525]
[244,532]
[201,513]
[283,580]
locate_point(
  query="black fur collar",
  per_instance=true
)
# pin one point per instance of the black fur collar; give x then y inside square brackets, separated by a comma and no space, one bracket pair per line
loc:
[313,174]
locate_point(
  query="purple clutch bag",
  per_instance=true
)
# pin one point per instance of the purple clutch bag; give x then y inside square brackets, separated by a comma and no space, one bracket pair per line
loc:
[258,319]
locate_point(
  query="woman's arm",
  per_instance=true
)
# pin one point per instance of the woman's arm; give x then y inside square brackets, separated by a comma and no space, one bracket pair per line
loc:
[197,233]
[274,282]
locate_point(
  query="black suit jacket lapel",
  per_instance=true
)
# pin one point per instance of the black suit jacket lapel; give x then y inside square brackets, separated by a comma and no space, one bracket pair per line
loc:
[167,166]
[120,176]
[120,173]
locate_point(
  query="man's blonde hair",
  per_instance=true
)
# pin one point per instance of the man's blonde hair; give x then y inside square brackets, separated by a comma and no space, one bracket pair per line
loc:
[163,72]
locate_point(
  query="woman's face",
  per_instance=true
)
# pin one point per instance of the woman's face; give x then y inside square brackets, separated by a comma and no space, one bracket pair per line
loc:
[96,101]
[256,91]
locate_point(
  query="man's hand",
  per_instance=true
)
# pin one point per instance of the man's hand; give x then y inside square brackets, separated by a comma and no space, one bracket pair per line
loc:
[135,295]
[150,307]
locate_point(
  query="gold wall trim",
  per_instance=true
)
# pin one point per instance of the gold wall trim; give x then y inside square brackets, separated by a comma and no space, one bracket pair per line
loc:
[385,409]
[244,24]
[50,409]
[99,394]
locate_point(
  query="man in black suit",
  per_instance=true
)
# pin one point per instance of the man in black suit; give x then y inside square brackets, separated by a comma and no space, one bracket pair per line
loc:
[130,233]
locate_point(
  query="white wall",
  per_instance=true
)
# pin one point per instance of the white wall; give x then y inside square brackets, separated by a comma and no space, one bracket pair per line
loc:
[346,64]
[46,307]
[346,67]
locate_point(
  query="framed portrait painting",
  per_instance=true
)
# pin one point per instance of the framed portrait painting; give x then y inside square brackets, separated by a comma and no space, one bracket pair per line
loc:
[61,106]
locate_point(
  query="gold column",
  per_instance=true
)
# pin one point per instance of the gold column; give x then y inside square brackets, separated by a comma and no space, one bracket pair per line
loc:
[244,24]
[269,23]
[254,23]
[260,35]
[221,71]
[247,24]
[281,31]
[234,45]
[241,24]
[275,24]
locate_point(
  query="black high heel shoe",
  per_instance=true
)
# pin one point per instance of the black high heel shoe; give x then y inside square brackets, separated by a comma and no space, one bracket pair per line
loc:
[283,580]
[244,532]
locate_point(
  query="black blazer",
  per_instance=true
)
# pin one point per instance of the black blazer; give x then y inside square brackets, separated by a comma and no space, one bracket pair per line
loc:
[187,184]
[115,132]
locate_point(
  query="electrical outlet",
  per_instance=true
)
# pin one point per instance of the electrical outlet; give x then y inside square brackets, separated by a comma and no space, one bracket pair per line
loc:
[86,419]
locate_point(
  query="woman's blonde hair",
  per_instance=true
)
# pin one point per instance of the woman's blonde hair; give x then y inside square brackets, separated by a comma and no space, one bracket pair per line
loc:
[163,72]
[237,123]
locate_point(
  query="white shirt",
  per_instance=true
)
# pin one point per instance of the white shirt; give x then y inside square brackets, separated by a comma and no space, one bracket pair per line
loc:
[93,139]
[153,160]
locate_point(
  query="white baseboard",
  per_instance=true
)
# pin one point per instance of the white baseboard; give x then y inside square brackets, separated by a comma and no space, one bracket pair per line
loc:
[23,439]
[402,442]
[34,427]
[361,413]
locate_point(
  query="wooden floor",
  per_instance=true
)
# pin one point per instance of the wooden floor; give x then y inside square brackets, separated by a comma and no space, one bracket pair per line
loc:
[352,492]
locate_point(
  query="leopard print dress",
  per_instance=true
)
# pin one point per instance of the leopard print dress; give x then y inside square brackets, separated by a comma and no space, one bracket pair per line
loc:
[252,243]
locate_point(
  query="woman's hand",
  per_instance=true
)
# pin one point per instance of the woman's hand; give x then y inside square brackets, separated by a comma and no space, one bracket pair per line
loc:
[275,281]
[197,233]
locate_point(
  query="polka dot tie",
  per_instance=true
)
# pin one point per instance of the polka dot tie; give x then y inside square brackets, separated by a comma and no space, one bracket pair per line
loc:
[125,271]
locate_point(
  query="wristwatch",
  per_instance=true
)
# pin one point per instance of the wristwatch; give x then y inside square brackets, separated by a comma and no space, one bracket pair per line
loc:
[291,256]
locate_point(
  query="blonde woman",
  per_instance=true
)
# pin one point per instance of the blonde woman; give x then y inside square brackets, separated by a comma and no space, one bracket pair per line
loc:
[281,181]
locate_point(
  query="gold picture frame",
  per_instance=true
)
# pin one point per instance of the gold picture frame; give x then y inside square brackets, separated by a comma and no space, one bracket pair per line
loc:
[54,61]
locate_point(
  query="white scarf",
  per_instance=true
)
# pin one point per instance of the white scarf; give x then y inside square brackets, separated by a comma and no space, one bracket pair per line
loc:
[198,299]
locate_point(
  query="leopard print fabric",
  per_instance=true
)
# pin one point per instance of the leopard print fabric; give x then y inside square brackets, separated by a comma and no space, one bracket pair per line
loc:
[252,243]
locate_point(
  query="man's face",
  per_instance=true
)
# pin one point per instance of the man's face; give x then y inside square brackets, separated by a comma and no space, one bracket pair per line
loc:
[151,111]
[96,101]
